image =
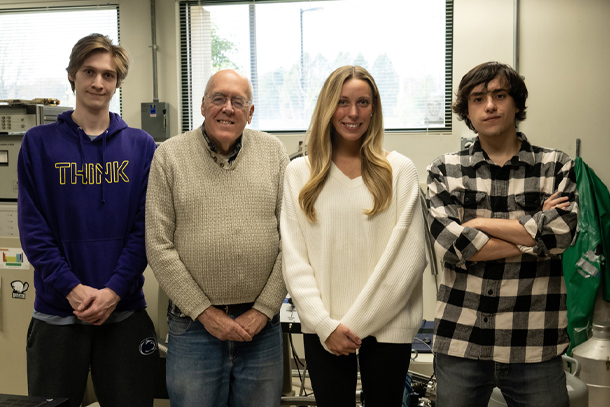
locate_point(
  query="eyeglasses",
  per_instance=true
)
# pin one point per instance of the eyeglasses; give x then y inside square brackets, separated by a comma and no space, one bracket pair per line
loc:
[218,99]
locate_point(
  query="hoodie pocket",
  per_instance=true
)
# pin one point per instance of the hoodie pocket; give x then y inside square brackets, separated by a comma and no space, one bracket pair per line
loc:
[93,261]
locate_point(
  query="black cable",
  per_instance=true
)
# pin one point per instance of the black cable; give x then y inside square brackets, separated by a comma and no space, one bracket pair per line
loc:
[297,361]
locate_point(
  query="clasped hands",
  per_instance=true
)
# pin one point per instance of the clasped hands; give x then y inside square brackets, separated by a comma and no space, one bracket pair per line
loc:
[342,341]
[241,329]
[92,305]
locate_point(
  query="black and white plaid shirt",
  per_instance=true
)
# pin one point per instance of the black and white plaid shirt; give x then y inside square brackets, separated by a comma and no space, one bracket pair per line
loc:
[510,310]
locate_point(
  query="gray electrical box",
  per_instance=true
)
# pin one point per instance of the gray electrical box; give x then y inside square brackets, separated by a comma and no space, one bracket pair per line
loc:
[155,120]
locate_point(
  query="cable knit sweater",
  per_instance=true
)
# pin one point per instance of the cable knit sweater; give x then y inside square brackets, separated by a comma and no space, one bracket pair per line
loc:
[212,228]
[362,271]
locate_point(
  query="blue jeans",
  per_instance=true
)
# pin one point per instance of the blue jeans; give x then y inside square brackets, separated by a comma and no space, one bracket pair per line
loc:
[204,371]
[465,382]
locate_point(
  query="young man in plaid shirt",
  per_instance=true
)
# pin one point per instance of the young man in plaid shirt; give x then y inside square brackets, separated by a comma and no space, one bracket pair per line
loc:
[501,213]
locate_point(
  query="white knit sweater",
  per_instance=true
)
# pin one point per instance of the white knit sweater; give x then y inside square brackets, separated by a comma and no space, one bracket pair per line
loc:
[362,271]
[212,229]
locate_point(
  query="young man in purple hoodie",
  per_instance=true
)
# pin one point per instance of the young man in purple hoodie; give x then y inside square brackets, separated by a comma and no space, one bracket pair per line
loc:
[82,189]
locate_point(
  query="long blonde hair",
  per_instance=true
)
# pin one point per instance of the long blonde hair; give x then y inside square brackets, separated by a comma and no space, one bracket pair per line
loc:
[376,170]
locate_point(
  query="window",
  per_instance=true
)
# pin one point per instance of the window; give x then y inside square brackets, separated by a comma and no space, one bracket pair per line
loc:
[288,49]
[36,45]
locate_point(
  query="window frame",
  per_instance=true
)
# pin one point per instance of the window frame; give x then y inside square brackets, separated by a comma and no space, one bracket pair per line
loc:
[186,83]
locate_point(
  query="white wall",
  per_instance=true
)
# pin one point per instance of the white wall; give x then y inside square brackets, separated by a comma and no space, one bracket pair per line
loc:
[137,38]
[564,54]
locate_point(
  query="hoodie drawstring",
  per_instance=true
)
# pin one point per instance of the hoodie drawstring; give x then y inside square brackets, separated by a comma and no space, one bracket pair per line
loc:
[104,162]
[82,153]
[82,157]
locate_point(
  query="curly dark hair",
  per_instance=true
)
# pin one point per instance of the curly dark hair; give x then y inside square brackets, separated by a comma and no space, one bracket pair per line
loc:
[483,74]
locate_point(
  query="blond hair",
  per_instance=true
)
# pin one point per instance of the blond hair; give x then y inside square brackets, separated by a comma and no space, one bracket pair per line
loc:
[97,43]
[376,170]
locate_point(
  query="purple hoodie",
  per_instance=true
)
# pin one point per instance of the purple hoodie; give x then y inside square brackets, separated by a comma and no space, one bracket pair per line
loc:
[81,210]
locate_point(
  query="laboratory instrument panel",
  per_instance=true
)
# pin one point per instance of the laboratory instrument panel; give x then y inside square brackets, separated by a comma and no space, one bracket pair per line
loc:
[15,120]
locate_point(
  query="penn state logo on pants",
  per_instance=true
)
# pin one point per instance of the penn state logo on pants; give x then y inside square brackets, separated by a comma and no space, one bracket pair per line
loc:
[148,346]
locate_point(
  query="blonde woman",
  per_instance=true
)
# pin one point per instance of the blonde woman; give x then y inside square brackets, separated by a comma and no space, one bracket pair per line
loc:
[353,247]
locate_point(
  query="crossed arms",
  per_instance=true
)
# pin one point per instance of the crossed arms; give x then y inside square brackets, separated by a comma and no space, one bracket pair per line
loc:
[506,235]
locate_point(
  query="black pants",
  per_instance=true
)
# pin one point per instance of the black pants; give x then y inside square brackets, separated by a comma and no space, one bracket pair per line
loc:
[123,357]
[383,369]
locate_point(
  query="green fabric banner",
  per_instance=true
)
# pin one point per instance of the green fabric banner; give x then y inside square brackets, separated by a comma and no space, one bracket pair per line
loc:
[585,264]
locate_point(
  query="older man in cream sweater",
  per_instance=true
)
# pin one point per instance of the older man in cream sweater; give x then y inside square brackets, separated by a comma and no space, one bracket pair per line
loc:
[212,240]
